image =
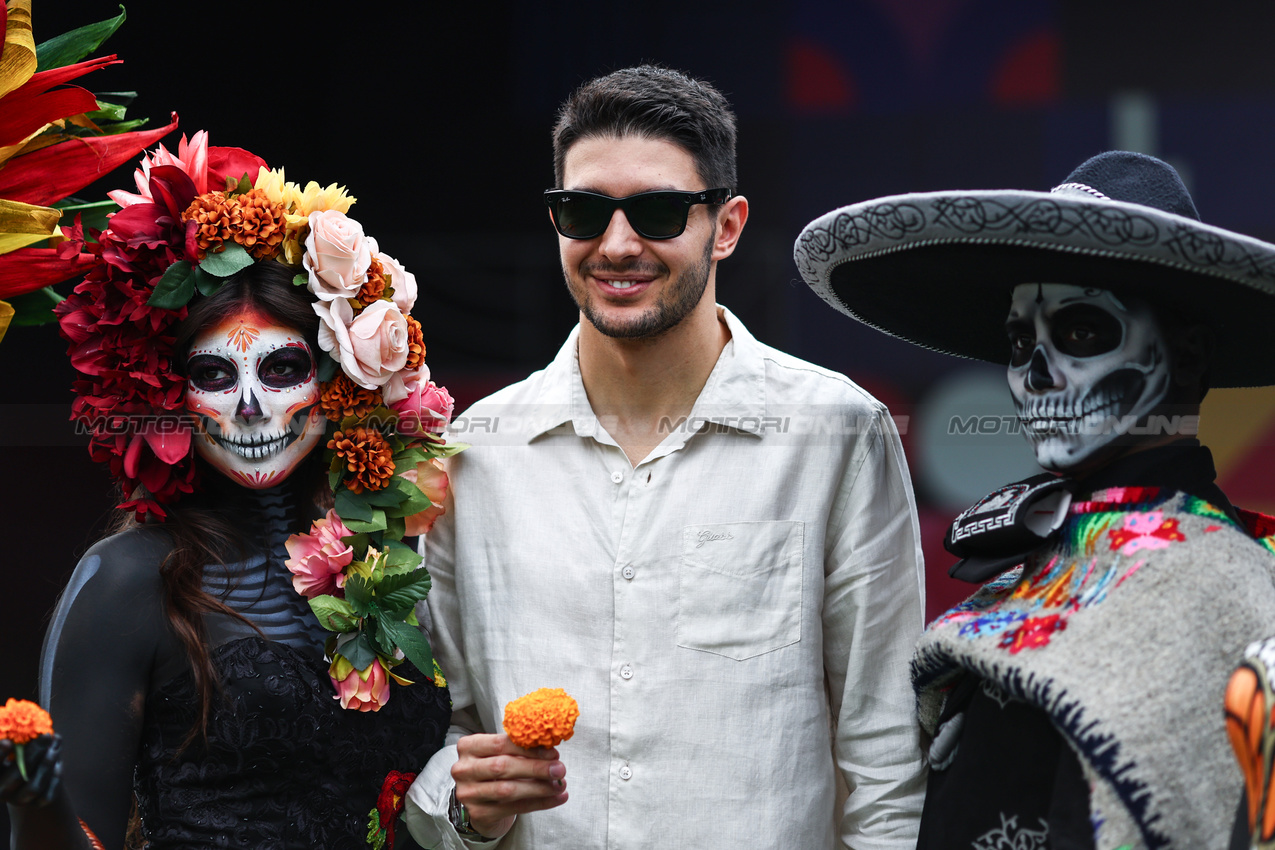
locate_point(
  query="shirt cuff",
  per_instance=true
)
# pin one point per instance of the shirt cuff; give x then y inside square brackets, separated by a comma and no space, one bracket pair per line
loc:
[425,810]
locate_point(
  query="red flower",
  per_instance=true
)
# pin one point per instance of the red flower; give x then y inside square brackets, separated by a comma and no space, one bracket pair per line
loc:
[389,804]
[130,399]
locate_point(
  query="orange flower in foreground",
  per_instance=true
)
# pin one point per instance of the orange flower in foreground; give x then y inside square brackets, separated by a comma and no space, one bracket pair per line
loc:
[543,718]
[367,455]
[22,721]
[415,345]
[374,287]
[341,398]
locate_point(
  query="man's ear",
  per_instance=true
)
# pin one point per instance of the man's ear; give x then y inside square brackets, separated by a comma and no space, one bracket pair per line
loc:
[730,223]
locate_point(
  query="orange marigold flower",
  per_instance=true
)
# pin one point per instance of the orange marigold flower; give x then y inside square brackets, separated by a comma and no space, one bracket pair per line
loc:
[341,398]
[263,224]
[22,721]
[374,287]
[367,455]
[543,718]
[218,218]
[415,344]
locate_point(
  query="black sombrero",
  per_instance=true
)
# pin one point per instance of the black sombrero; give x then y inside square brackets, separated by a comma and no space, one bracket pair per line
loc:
[937,268]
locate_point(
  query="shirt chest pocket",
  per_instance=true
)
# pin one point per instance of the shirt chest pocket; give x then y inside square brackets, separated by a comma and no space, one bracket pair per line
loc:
[739,587]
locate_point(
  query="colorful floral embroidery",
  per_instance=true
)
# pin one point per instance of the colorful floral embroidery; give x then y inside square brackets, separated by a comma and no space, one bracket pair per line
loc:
[1026,613]
[1145,531]
[1034,632]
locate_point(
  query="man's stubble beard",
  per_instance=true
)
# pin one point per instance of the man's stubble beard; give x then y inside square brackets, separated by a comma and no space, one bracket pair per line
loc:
[672,307]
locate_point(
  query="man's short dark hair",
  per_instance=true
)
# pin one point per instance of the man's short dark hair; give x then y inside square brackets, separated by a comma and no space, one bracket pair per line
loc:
[656,103]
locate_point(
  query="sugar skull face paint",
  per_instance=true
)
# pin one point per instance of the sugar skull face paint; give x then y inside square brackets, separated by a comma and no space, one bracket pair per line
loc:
[1084,368]
[252,390]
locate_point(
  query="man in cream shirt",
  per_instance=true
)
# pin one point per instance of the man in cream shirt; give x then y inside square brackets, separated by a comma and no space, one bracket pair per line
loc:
[710,544]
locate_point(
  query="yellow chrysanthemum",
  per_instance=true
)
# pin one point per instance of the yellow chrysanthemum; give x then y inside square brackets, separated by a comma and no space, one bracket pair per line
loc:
[274,186]
[315,198]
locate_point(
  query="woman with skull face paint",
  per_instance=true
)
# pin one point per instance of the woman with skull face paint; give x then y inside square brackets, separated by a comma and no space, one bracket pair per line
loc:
[185,672]
[1074,701]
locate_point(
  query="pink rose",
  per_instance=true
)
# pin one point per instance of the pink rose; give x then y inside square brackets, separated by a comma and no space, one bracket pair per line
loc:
[432,480]
[403,282]
[371,346]
[426,408]
[337,255]
[365,690]
[317,560]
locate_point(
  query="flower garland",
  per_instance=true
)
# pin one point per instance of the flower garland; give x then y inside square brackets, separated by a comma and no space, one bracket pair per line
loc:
[199,216]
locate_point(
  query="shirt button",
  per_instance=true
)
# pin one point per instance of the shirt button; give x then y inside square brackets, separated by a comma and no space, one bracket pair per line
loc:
[617,476]
[626,672]
[626,773]
[628,573]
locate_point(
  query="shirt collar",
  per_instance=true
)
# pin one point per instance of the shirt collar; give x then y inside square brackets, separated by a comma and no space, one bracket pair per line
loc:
[734,396]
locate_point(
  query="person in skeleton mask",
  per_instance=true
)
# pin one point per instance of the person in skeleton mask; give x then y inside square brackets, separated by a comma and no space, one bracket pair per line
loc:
[187,676]
[1074,701]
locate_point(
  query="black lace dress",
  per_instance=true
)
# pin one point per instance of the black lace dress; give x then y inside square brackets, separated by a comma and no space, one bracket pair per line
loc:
[284,765]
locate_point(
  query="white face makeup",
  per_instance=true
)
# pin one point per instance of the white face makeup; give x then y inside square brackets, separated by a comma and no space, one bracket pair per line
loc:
[252,389]
[1084,368]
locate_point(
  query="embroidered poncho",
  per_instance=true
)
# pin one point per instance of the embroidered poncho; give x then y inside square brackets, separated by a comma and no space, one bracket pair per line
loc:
[1124,632]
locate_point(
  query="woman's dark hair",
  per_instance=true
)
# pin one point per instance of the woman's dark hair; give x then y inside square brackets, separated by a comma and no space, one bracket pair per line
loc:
[206,527]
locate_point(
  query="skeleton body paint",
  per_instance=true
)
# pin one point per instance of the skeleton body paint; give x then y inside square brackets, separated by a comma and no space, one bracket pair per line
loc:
[252,390]
[1084,368]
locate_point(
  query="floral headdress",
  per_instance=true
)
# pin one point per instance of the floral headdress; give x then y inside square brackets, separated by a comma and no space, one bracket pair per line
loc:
[199,216]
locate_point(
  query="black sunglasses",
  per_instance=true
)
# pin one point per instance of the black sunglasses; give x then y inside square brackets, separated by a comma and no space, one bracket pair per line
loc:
[654,215]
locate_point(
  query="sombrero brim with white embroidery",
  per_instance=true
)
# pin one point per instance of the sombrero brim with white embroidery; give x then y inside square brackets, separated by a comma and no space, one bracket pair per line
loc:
[937,269]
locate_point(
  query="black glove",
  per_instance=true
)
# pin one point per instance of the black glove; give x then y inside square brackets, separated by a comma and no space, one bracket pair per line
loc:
[43,760]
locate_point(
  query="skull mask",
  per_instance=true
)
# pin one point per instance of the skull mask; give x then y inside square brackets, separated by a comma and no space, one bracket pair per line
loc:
[1084,368]
[251,387]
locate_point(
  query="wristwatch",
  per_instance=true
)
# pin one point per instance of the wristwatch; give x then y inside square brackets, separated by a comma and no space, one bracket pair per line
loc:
[459,817]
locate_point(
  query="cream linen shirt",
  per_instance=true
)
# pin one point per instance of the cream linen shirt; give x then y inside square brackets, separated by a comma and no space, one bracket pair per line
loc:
[715,610]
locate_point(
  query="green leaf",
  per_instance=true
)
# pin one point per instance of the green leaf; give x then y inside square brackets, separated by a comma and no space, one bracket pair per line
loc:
[376,523]
[412,505]
[34,308]
[124,97]
[391,495]
[115,128]
[357,542]
[175,288]
[226,262]
[107,111]
[351,506]
[448,450]
[207,284]
[335,473]
[71,47]
[327,368]
[358,591]
[399,554]
[409,457]
[358,651]
[335,615]
[404,599]
[413,644]
[381,640]
[301,279]
[242,186]
[395,527]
